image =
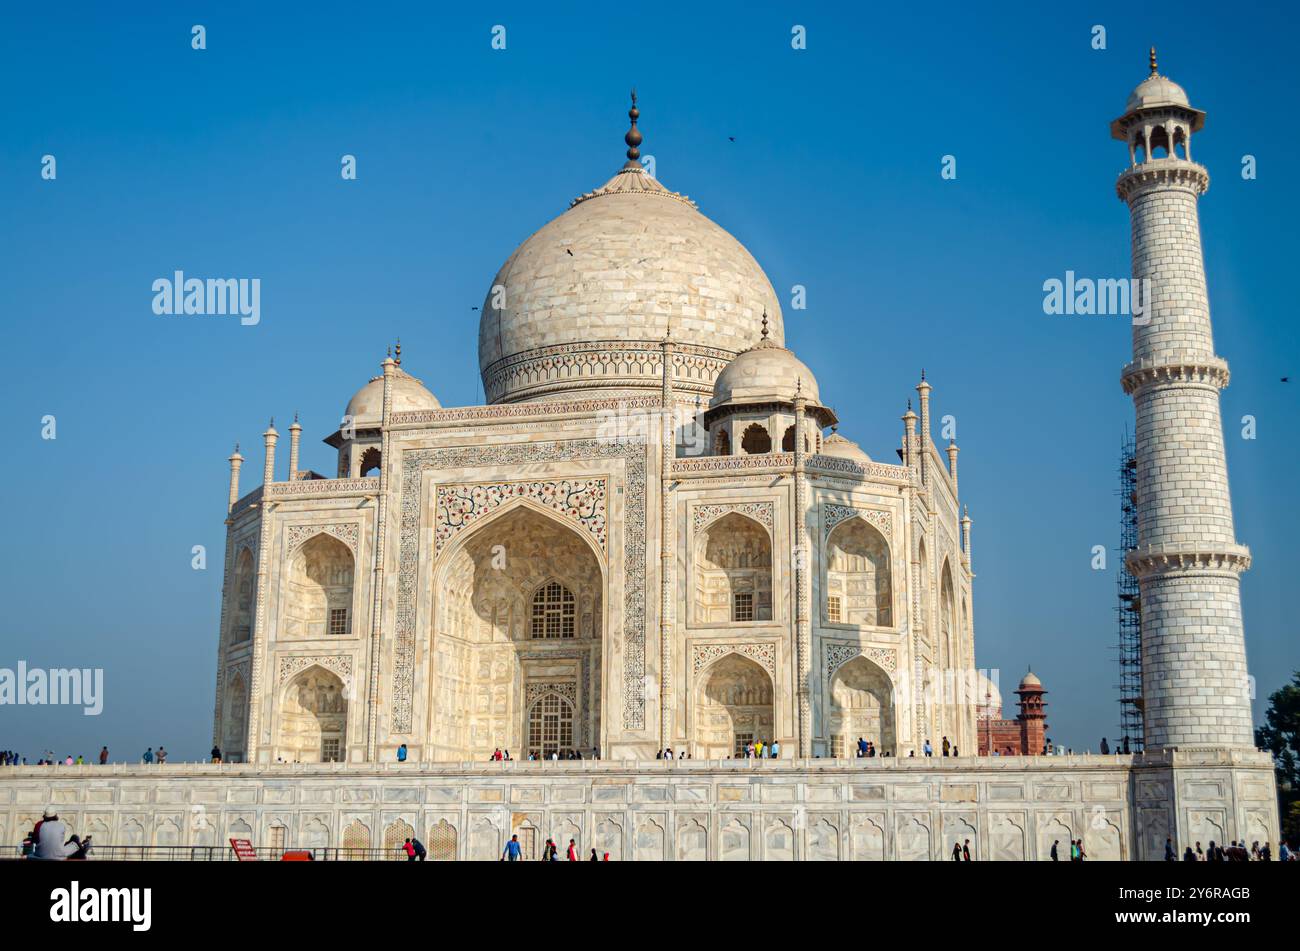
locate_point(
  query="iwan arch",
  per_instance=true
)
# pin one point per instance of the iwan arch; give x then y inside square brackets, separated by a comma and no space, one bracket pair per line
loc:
[514,576]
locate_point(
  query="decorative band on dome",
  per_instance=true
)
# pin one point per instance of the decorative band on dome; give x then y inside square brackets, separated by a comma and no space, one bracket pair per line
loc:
[633,180]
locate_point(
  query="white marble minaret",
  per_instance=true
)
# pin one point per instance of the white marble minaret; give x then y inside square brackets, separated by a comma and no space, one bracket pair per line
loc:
[1194,681]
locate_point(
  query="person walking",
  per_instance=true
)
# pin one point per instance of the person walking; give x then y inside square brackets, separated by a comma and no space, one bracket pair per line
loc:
[594,856]
[1055,856]
[928,749]
[512,850]
[401,753]
[103,756]
[1170,854]
[1105,747]
[572,855]
[947,747]
[965,851]
[956,851]
[1189,855]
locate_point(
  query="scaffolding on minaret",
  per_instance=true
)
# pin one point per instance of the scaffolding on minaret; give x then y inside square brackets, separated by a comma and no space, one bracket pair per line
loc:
[1129,609]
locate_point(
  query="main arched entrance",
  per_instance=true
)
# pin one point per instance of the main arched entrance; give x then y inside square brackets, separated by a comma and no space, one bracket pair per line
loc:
[518,618]
[734,708]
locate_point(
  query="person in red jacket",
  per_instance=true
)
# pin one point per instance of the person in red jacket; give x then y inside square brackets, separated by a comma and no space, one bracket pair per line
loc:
[573,851]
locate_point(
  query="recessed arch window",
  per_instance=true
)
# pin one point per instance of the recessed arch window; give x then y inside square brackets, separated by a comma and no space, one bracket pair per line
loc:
[371,460]
[554,611]
[722,443]
[756,440]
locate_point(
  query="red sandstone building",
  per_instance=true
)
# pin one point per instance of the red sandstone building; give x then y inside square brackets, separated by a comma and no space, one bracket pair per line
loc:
[1026,735]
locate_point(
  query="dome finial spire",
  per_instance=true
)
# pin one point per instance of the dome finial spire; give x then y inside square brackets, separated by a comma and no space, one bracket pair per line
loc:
[633,137]
[398,361]
[1153,61]
[764,323]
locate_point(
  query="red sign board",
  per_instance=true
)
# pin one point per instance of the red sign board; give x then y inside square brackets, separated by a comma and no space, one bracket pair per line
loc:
[244,851]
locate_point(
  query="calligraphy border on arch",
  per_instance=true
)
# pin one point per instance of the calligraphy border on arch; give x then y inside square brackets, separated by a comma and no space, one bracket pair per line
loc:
[837,655]
[291,664]
[414,462]
[458,506]
[706,513]
[346,532]
[833,514]
[706,654]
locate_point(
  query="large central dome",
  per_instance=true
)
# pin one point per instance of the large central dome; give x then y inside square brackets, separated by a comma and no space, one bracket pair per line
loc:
[582,307]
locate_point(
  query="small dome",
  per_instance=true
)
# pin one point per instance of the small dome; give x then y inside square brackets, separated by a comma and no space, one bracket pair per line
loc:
[837,445]
[766,373]
[367,407]
[988,699]
[1031,681]
[1156,91]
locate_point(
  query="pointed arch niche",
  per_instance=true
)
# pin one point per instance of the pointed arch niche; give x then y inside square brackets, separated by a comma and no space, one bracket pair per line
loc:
[311,726]
[862,706]
[318,600]
[859,580]
[732,576]
[517,640]
[733,706]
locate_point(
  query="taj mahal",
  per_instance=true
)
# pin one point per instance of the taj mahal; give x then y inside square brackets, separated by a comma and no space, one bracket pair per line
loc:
[654,535]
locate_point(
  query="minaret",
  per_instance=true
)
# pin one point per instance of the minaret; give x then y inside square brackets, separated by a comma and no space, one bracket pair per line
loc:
[236,462]
[268,468]
[1188,562]
[295,437]
[1033,715]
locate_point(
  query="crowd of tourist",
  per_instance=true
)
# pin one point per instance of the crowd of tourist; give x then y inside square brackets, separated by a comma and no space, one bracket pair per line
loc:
[514,852]
[48,758]
[500,755]
[1236,852]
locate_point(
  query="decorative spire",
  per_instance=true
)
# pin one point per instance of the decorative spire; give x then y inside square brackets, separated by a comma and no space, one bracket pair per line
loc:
[398,361]
[633,137]
[922,374]
[764,323]
[1153,62]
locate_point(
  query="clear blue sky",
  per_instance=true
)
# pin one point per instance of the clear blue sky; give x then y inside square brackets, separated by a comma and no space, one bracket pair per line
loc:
[225,162]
